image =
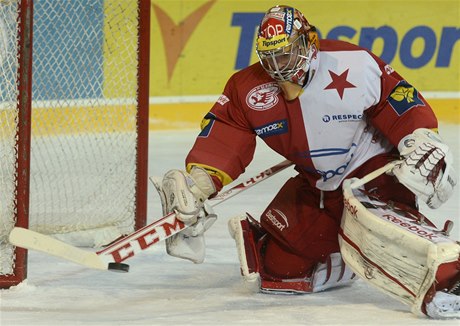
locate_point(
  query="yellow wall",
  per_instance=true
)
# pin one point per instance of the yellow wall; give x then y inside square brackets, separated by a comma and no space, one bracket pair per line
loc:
[197,44]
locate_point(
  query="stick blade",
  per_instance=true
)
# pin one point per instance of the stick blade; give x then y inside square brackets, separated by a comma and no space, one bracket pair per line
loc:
[32,240]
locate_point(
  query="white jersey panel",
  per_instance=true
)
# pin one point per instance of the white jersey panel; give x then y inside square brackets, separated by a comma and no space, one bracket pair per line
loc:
[333,106]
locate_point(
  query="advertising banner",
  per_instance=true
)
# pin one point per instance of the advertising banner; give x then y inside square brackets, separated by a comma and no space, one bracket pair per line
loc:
[197,45]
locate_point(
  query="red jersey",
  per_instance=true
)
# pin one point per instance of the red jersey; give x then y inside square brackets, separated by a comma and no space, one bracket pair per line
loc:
[352,108]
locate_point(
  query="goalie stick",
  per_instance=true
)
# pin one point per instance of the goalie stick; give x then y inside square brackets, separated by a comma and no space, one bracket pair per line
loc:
[115,253]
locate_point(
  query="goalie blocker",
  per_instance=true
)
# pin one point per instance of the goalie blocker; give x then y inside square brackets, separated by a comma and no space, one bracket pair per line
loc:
[401,253]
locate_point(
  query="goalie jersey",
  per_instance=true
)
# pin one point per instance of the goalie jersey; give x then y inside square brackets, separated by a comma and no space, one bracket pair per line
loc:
[352,108]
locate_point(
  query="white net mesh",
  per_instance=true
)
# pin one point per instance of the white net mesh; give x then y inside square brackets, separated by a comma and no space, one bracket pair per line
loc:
[83,147]
[8,129]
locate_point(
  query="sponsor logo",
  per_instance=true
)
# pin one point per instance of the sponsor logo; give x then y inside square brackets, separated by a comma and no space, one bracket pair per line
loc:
[413,228]
[404,97]
[350,208]
[329,174]
[368,269]
[257,178]
[409,142]
[277,218]
[185,30]
[223,99]
[328,152]
[276,14]
[271,129]
[263,97]
[275,42]
[342,117]
[388,69]
[272,25]
[288,20]
[144,238]
[313,49]
[439,44]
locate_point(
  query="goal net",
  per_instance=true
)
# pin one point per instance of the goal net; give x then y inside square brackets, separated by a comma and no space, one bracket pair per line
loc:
[80,171]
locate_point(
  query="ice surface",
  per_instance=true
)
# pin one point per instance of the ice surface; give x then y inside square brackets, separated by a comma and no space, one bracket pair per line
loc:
[162,290]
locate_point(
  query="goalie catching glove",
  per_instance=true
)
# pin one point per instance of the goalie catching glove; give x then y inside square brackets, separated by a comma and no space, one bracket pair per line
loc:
[185,194]
[426,168]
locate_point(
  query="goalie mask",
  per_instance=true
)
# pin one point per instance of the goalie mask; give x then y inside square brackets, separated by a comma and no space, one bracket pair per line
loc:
[286,44]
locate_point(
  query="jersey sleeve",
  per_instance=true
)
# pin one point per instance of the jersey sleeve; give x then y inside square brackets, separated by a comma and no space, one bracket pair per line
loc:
[226,143]
[401,108]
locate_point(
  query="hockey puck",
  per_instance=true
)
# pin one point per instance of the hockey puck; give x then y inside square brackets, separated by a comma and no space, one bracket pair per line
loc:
[118,267]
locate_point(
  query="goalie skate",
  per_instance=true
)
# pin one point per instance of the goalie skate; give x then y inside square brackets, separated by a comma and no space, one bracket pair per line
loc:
[444,305]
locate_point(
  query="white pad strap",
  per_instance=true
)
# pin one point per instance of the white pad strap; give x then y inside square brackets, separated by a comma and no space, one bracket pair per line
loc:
[235,228]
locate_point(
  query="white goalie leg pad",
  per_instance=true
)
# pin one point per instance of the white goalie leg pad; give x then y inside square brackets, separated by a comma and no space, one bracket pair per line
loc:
[240,231]
[394,252]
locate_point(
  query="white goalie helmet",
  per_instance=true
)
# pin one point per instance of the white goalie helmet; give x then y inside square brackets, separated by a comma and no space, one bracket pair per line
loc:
[286,44]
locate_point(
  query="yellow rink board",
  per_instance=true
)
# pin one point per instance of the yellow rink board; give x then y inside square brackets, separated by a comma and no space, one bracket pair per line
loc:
[447,110]
[189,115]
[170,116]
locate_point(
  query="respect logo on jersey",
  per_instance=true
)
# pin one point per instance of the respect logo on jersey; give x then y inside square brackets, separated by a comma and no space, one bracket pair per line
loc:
[342,118]
[271,129]
[263,97]
[404,97]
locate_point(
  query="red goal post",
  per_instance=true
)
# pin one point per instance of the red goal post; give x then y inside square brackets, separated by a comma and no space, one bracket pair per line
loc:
[74,89]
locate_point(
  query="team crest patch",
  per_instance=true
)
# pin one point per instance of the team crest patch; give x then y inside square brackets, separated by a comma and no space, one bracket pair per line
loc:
[206,124]
[263,97]
[404,97]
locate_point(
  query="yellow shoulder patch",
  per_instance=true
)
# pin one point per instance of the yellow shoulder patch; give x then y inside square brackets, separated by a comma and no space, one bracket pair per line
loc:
[221,175]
